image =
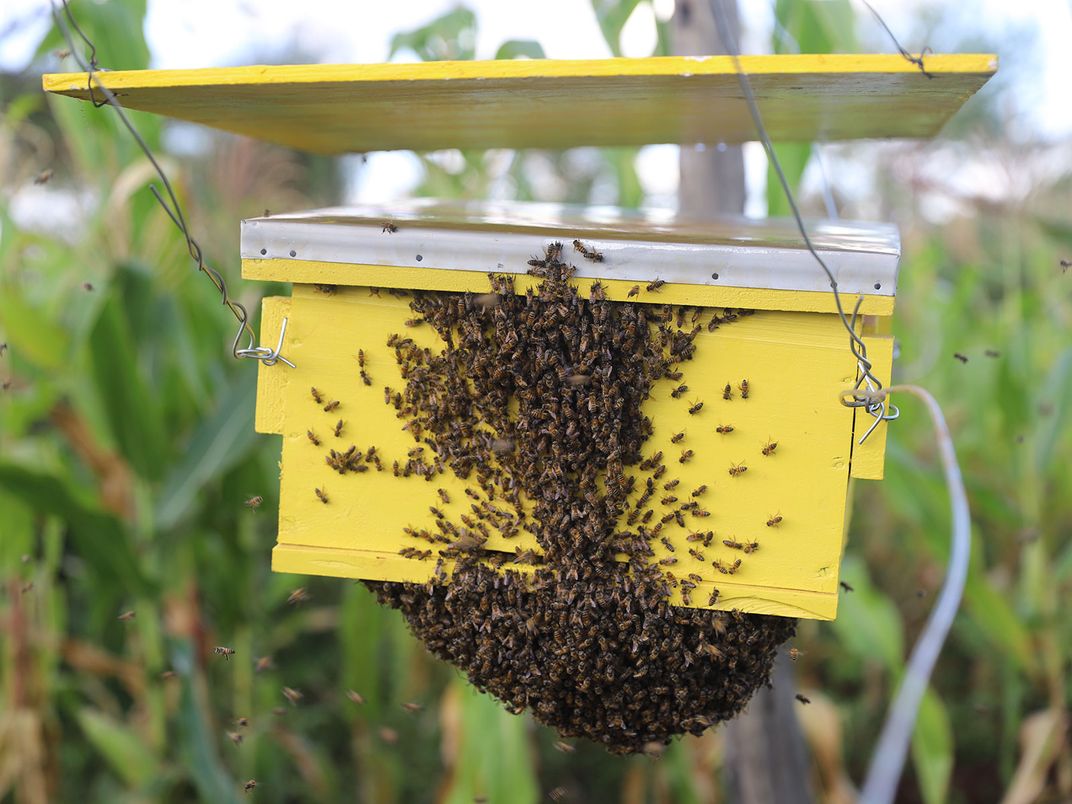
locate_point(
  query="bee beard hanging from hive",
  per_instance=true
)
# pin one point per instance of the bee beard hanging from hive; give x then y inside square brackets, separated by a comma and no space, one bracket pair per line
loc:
[536,402]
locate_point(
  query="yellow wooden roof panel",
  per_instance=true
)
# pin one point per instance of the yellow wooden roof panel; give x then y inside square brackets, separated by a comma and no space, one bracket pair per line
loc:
[545,103]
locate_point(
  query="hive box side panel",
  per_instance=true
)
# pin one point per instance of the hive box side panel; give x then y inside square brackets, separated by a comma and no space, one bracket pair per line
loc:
[795,364]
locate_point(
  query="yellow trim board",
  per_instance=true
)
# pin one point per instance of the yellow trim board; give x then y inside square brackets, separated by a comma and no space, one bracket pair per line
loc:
[312,272]
[511,103]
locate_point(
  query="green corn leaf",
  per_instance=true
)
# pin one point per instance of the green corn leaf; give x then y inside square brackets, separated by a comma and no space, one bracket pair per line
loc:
[124,750]
[932,749]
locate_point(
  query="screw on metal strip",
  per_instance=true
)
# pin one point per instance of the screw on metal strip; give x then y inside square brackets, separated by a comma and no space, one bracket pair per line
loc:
[170,204]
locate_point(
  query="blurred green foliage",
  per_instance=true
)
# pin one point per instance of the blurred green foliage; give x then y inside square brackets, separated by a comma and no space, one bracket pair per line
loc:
[127,450]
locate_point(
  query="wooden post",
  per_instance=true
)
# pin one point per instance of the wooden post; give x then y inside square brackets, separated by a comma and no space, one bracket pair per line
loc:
[766,758]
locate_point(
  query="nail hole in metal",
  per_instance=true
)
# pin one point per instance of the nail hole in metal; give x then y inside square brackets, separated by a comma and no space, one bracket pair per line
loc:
[714,276]
[264,251]
[878,286]
[293,253]
[419,258]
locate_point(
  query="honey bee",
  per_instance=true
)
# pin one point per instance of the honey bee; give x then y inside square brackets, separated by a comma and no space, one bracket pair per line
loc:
[845,586]
[317,396]
[330,406]
[669,500]
[226,653]
[744,389]
[713,599]
[292,695]
[737,469]
[241,722]
[724,429]
[248,786]
[733,544]
[126,616]
[727,392]
[668,561]
[795,654]
[338,428]
[696,492]
[360,358]
[655,284]
[313,438]
[388,735]
[774,520]
[697,555]
[960,357]
[803,698]
[234,737]
[443,496]
[769,447]
[355,697]
[412,707]
[695,408]
[565,748]
[751,547]
[388,228]
[727,569]
[321,495]
[254,502]
[676,437]
[587,253]
[659,472]
[634,291]
[677,392]
[299,595]
[670,485]
[686,454]
[43,176]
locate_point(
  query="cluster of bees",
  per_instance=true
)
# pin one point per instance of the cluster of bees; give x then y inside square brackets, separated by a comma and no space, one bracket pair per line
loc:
[535,401]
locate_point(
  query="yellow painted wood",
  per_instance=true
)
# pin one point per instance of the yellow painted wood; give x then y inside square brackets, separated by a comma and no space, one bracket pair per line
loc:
[271,384]
[796,364]
[545,103]
[431,278]
[869,458]
[340,562]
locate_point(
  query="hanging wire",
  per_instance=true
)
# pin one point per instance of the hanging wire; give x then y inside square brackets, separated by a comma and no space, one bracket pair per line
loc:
[167,200]
[916,60]
[887,763]
[876,405]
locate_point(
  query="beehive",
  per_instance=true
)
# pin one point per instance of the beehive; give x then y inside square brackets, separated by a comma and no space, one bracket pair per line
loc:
[792,352]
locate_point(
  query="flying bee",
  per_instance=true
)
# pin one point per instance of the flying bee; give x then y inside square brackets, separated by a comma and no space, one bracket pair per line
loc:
[338,428]
[676,437]
[803,698]
[292,695]
[313,438]
[226,653]
[727,392]
[655,284]
[43,176]
[696,492]
[355,697]
[774,520]
[695,408]
[845,586]
[634,291]
[412,707]
[254,502]
[960,357]
[252,783]
[299,595]
[744,389]
[388,228]
[321,495]
[686,454]
[330,406]
[565,748]
[724,429]
[677,392]
[795,653]
[737,469]
[126,616]
[769,447]
[317,396]
[235,737]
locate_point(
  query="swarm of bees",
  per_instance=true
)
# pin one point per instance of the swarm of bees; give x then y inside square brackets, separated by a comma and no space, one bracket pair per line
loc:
[573,450]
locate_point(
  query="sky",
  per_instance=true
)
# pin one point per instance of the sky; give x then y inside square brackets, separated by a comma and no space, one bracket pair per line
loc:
[1032,36]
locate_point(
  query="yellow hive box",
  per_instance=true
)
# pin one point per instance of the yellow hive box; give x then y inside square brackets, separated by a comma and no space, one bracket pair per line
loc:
[793,352]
